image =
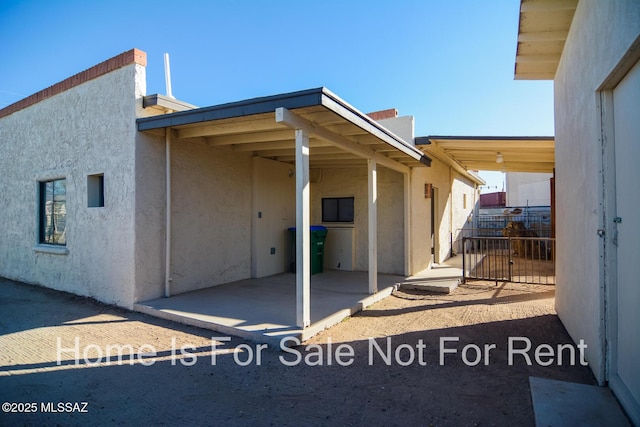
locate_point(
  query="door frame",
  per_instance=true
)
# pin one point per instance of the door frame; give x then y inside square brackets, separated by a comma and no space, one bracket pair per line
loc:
[607,228]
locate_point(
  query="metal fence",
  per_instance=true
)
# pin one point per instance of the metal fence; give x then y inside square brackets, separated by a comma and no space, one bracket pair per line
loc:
[509,259]
[492,225]
[493,222]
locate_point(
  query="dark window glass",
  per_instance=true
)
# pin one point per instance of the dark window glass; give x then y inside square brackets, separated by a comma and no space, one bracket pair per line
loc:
[53,212]
[95,191]
[337,209]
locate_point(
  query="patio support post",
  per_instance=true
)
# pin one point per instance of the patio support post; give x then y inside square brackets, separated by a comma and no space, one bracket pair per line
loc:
[408,265]
[167,238]
[373,225]
[303,236]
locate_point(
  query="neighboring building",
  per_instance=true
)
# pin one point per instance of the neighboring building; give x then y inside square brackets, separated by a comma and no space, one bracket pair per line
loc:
[493,200]
[125,197]
[528,189]
[591,51]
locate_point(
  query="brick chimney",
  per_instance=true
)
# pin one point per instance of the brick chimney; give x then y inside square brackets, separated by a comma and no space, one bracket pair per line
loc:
[384,114]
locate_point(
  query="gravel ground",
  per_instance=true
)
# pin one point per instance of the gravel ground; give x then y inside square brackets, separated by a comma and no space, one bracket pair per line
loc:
[392,374]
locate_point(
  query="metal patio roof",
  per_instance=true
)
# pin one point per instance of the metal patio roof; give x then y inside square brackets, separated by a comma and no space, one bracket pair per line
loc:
[344,137]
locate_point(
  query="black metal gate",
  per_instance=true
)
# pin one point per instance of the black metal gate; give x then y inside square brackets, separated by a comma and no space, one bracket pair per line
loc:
[509,259]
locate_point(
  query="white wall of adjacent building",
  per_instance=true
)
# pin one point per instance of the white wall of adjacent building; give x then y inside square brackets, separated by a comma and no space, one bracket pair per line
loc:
[592,304]
[528,189]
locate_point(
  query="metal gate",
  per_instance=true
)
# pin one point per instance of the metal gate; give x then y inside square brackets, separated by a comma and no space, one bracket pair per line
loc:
[509,259]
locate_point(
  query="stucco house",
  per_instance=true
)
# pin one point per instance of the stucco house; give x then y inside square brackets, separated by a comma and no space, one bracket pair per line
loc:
[127,197]
[591,51]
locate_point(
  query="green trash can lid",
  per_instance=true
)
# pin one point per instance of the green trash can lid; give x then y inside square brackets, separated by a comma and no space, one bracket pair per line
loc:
[312,228]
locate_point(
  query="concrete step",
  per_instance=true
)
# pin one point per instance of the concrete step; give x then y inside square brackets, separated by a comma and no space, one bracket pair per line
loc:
[441,286]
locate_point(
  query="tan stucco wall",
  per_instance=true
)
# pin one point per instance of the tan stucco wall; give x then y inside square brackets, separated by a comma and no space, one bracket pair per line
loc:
[420,220]
[352,182]
[600,34]
[462,219]
[88,129]
[273,212]
[211,216]
[450,214]
[440,176]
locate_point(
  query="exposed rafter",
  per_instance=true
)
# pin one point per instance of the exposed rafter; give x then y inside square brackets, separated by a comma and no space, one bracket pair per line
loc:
[249,128]
[543,28]
[296,122]
[519,154]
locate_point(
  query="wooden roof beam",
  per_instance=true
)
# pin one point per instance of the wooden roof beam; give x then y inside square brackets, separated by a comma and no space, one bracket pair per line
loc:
[294,121]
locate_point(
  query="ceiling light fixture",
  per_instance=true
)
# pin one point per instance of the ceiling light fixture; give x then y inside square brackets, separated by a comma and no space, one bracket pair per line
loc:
[499,158]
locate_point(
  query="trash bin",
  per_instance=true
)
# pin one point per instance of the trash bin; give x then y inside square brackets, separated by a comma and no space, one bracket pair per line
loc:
[318,237]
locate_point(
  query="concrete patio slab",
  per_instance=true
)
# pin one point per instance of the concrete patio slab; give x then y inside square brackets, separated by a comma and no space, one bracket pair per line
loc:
[561,404]
[263,310]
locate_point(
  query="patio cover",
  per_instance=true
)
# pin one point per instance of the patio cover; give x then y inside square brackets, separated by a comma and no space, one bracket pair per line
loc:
[310,129]
[542,30]
[346,136]
[519,153]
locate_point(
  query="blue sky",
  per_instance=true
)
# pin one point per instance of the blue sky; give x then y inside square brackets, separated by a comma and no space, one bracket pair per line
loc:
[447,63]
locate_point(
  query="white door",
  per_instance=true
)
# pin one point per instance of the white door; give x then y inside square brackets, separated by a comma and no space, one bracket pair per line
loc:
[625,351]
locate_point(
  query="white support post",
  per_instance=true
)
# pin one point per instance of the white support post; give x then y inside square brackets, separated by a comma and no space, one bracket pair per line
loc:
[303,236]
[373,225]
[167,238]
[408,264]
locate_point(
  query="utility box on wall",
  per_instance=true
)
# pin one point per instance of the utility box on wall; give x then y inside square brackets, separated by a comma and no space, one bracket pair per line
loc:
[339,249]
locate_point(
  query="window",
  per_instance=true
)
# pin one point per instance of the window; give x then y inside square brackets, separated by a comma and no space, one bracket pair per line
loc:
[53,212]
[95,191]
[464,201]
[337,209]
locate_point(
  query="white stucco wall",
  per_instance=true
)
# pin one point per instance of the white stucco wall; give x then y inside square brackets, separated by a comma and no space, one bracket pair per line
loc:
[400,126]
[352,182]
[88,129]
[528,189]
[600,34]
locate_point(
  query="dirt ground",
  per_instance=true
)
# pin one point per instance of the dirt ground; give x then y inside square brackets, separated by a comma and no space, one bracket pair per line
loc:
[153,383]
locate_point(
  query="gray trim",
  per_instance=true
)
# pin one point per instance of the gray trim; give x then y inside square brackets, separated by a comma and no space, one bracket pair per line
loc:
[422,140]
[163,101]
[267,104]
[426,140]
[51,249]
